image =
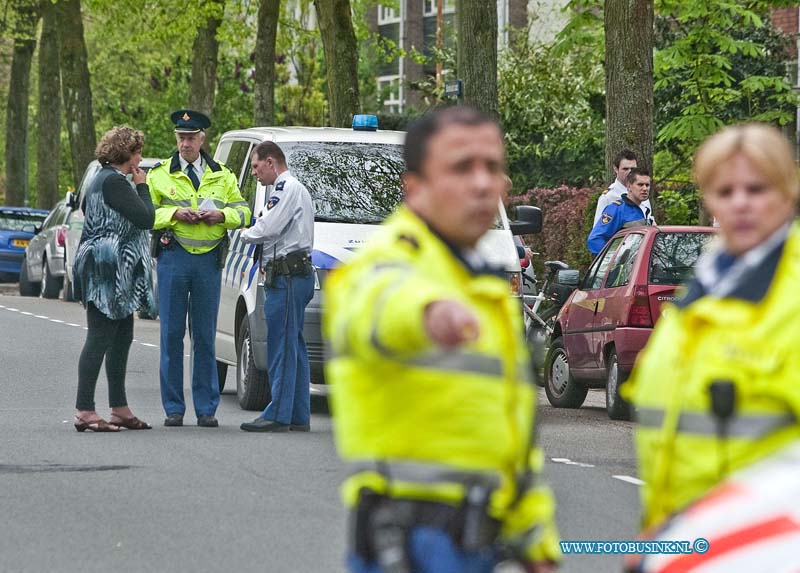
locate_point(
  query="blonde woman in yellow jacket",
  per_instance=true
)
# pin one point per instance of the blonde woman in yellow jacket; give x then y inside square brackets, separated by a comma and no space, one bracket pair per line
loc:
[718,386]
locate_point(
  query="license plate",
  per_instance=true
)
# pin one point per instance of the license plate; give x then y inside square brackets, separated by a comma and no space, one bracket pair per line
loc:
[20,242]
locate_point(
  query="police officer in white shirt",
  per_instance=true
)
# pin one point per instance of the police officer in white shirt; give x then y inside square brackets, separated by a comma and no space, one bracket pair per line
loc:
[624,161]
[285,230]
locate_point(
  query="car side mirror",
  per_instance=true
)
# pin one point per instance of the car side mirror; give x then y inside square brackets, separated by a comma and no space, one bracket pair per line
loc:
[527,220]
[29,229]
[569,277]
[72,200]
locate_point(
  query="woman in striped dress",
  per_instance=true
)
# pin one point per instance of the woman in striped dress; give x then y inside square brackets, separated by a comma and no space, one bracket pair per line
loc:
[114,271]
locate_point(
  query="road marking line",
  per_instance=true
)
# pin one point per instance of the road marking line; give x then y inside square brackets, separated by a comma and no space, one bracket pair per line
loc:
[148,345]
[40,316]
[26,313]
[569,462]
[56,320]
[629,479]
[12,309]
[71,324]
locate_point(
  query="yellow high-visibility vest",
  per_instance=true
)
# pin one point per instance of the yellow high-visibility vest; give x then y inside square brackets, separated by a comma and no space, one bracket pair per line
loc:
[756,346]
[171,189]
[414,421]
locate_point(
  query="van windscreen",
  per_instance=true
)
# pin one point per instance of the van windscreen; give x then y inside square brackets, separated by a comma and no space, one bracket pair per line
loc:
[349,182]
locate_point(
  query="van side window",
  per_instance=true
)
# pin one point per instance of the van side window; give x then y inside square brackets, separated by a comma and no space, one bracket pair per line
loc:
[620,273]
[237,157]
[249,188]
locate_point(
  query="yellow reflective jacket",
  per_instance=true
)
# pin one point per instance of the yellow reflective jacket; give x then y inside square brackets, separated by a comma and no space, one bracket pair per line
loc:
[754,345]
[171,189]
[416,422]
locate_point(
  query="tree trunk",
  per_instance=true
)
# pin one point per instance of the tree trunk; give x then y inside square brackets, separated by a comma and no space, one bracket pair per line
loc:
[76,91]
[476,58]
[268,12]
[341,60]
[26,18]
[49,126]
[205,51]
[629,80]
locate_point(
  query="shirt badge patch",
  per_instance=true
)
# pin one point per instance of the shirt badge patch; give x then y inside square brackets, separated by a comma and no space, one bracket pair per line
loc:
[606,219]
[272,202]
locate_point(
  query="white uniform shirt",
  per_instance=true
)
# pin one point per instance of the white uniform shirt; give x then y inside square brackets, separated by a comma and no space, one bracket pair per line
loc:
[286,223]
[615,192]
[199,165]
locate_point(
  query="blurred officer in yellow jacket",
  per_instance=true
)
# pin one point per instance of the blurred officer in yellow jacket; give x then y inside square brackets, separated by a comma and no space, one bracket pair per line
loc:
[433,398]
[718,386]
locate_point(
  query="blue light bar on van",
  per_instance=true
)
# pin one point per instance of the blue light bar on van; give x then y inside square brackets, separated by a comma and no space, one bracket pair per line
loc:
[365,122]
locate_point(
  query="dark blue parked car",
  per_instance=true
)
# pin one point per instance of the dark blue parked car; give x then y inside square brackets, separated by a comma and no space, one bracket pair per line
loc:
[17,226]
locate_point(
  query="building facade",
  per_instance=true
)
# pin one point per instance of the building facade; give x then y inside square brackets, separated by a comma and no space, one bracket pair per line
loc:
[411,25]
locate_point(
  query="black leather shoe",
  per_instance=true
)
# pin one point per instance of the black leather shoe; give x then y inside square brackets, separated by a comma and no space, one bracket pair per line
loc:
[300,428]
[262,425]
[207,422]
[174,420]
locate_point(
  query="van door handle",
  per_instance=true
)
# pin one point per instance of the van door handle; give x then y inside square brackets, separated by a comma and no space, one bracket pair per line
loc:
[596,304]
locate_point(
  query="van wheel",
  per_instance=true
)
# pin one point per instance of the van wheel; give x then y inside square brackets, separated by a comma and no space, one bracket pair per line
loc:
[222,374]
[26,287]
[51,285]
[252,384]
[616,406]
[561,388]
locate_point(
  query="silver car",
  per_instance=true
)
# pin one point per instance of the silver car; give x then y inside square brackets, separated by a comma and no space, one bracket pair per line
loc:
[43,263]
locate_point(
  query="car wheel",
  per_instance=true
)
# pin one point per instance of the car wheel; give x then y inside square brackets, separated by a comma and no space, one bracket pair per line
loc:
[616,406]
[222,374]
[252,384]
[561,388]
[51,285]
[26,287]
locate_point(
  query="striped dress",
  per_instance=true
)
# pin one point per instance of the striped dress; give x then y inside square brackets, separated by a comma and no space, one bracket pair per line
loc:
[113,264]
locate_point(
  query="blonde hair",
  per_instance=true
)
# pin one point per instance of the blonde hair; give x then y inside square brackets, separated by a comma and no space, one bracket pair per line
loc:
[118,144]
[763,145]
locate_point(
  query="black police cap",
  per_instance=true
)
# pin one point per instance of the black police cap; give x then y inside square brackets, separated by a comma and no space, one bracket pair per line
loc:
[189,121]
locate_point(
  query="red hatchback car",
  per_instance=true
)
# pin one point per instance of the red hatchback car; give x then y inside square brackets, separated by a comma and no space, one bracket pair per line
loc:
[608,319]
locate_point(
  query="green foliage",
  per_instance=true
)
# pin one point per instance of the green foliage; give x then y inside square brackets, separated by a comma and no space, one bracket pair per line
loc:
[717,63]
[551,108]
[678,208]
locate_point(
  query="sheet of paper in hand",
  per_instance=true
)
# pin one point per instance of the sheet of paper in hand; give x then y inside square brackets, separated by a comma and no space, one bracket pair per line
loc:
[207,205]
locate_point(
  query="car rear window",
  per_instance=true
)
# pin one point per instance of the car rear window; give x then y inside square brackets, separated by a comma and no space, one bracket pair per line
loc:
[674,255]
[10,221]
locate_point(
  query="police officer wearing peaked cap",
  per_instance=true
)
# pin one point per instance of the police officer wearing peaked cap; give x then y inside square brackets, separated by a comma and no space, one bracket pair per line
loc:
[629,209]
[285,231]
[197,201]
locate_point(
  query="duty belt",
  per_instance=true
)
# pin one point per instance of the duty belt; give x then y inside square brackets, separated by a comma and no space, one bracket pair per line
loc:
[295,263]
[740,426]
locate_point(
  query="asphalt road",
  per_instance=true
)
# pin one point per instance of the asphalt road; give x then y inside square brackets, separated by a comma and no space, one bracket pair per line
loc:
[193,498]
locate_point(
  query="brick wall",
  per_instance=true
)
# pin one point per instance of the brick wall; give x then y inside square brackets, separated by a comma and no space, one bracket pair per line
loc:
[786,20]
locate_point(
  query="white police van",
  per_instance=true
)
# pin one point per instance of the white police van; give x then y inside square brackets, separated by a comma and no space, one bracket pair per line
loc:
[353,176]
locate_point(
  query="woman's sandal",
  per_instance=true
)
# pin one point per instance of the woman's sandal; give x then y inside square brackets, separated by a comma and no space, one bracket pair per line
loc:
[96,426]
[132,423]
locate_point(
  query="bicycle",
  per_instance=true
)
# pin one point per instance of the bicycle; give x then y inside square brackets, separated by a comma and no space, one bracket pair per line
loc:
[539,324]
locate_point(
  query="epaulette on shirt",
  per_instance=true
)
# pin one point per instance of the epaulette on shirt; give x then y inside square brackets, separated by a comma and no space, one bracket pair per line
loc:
[409,240]
[606,191]
[158,164]
[280,186]
[617,202]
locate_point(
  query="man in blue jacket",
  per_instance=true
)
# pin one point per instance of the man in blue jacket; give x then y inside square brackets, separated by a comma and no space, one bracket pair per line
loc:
[623,212]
